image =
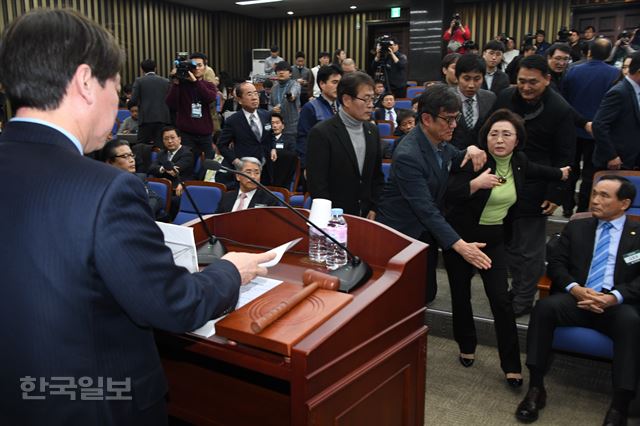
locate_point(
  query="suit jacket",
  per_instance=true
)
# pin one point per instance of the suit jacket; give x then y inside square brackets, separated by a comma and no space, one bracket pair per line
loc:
[260,197]
[570,259]
[332,167]
[463,210]
[616,127]
[149,92]
[500,82]
[412,199]
[381,114]
[237,130]
[182,159]
[86,278]
[462,135]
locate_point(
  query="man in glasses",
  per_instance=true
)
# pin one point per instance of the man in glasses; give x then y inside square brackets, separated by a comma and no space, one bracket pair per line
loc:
[412,199]
[344,157]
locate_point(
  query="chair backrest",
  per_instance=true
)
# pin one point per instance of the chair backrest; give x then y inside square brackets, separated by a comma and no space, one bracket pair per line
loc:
[386,168]
[633,176]
[412,92]
[307,201]
[198,164]
[282,193]
[403,103]
[162,187]
[205,196]
[388,142]
[412,83]
[385,128]
[218,102]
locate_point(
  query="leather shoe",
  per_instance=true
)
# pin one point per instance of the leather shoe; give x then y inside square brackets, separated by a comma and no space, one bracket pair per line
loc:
[514,383]
[535,400]
[466,362]
[614,418]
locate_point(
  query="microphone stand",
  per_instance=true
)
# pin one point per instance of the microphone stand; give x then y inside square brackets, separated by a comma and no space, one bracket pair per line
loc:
[213,249]
[355,273]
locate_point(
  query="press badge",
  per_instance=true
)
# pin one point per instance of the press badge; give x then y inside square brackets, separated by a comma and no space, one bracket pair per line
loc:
[632,257]
[196,110]
[279,145]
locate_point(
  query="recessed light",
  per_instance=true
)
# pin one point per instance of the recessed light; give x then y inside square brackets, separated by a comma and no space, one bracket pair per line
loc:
[353,7]
[249,2]
[290,12]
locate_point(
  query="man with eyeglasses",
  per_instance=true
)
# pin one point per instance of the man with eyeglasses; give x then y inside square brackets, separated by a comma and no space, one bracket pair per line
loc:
[413,197]
[344,157]
[551,136]
[558,58]
[494,78]
[191,98]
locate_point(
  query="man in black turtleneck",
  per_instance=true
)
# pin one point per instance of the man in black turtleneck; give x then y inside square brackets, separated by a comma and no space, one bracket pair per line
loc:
[550,141]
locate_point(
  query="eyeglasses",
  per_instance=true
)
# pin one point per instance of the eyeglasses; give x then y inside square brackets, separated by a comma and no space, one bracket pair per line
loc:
[366,99]
[451,120]
[561,58]
[126,156]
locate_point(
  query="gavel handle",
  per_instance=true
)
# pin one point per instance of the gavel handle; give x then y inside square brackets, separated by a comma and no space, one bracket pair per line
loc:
[282,308]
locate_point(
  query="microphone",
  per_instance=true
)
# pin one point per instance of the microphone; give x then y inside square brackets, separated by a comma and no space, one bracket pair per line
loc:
[355,273]
[213,249]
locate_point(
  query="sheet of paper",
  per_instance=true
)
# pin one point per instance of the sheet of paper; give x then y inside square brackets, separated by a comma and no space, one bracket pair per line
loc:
[256,288]
[280,251]
[182,244]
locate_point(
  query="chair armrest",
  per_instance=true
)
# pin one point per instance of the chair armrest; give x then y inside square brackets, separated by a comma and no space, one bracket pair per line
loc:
[544,286]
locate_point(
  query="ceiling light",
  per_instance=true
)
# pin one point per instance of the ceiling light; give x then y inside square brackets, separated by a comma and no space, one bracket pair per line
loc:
[248,2]
[290,12]
[353,7]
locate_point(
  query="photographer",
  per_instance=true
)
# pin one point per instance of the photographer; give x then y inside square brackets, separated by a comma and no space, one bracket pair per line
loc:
[392,66]
[621,49]
[285,97]
[456,35]
[190,96]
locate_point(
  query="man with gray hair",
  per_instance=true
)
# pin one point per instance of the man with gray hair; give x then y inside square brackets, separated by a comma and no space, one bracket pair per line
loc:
[248,194]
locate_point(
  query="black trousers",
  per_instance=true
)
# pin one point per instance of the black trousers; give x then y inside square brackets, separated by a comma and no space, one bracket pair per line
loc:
[151,133]
[432,262]
[584,152]
[496,286]
[620,322]
[198,144]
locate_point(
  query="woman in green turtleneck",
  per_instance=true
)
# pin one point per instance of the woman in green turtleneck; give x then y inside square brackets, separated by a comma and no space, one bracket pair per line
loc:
[478,206]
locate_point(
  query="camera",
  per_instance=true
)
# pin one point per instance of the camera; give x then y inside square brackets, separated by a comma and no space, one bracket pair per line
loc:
[457,19]
[528,39]
[183,66]
[384,42]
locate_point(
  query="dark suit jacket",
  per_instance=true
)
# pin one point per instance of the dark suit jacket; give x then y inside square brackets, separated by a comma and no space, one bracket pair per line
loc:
[149,92]
[463,210]
[500,82]
[462,135]
[412,199]
[86,278]
[381,113]
[183,160]
[616,127]
[570,259]
[332,167]
[236,130]
[260,197]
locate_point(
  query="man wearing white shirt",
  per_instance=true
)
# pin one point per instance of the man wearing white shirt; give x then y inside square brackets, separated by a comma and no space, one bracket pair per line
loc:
[324,58]
[387,111]
[248,195]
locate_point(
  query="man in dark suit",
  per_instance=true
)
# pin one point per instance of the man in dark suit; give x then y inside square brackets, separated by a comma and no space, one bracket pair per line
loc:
[494,79]
[616,125]
[477,103]
[89,276]
[412,199]
[175,162]
[387,110]
[344,158]
[248,195]
[149,92]
[250,132]
[595,271]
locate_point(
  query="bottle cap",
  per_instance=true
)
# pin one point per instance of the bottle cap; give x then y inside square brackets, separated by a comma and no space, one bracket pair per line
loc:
[337,212]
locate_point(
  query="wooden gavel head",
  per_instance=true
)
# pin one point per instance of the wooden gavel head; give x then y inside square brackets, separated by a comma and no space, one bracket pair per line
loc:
[324,281]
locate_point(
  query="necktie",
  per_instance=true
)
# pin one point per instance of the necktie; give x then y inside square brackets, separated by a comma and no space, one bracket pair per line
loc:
[468,112]
[599,261]
[390,116]
[241,204]
[170,155]
[254,127]
[334,110]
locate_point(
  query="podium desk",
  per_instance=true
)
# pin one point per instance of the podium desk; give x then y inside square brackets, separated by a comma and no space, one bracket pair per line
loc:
[366,365]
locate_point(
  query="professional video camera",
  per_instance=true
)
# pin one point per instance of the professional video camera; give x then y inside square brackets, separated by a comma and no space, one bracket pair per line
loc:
[457,20]
[528,39]
[563,35]
[183,65]
[384,42]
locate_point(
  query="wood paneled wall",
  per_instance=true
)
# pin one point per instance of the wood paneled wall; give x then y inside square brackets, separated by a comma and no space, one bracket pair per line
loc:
[515,18]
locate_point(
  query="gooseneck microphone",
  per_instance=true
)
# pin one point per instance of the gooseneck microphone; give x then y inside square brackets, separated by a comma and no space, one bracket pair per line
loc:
[355,273]
[213,249]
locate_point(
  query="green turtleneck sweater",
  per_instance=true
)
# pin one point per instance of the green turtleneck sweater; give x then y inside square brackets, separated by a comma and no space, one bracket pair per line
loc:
[502,197]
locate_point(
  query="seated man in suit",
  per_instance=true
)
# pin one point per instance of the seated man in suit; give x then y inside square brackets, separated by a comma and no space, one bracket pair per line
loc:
[118,154]
[175,162]
[595,274]
[247,133]
[476,102]
[248,195]
[387,111]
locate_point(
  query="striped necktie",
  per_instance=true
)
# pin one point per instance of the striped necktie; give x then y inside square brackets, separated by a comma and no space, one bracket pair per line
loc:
[599,261]
[468,113]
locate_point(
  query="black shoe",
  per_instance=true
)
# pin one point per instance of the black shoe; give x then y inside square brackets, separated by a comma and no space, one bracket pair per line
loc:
[522,311]
[535,400]
[514,383]
[466,362]
[614,418]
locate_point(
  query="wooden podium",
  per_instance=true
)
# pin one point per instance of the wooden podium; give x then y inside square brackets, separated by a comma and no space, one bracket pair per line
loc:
[365,365]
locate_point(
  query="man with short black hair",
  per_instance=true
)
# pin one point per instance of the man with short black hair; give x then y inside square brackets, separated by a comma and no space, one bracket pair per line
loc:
[494,78]
[541,44]
[191,99]
[575,44]
[595,284]
[285,97]
[304,77]
[550,141]
[589,34]
[558,58]
[175,162]
[149,92]
[272,60]
[324,58]
[394,64]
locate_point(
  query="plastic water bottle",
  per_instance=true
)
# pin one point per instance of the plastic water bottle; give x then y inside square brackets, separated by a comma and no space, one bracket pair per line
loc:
[317,246]
[337,228]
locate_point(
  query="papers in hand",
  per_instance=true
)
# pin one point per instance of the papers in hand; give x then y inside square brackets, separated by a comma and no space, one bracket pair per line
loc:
[280,251]
[182,244]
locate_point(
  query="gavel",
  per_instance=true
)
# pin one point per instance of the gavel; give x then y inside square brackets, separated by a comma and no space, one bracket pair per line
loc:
[311,281]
